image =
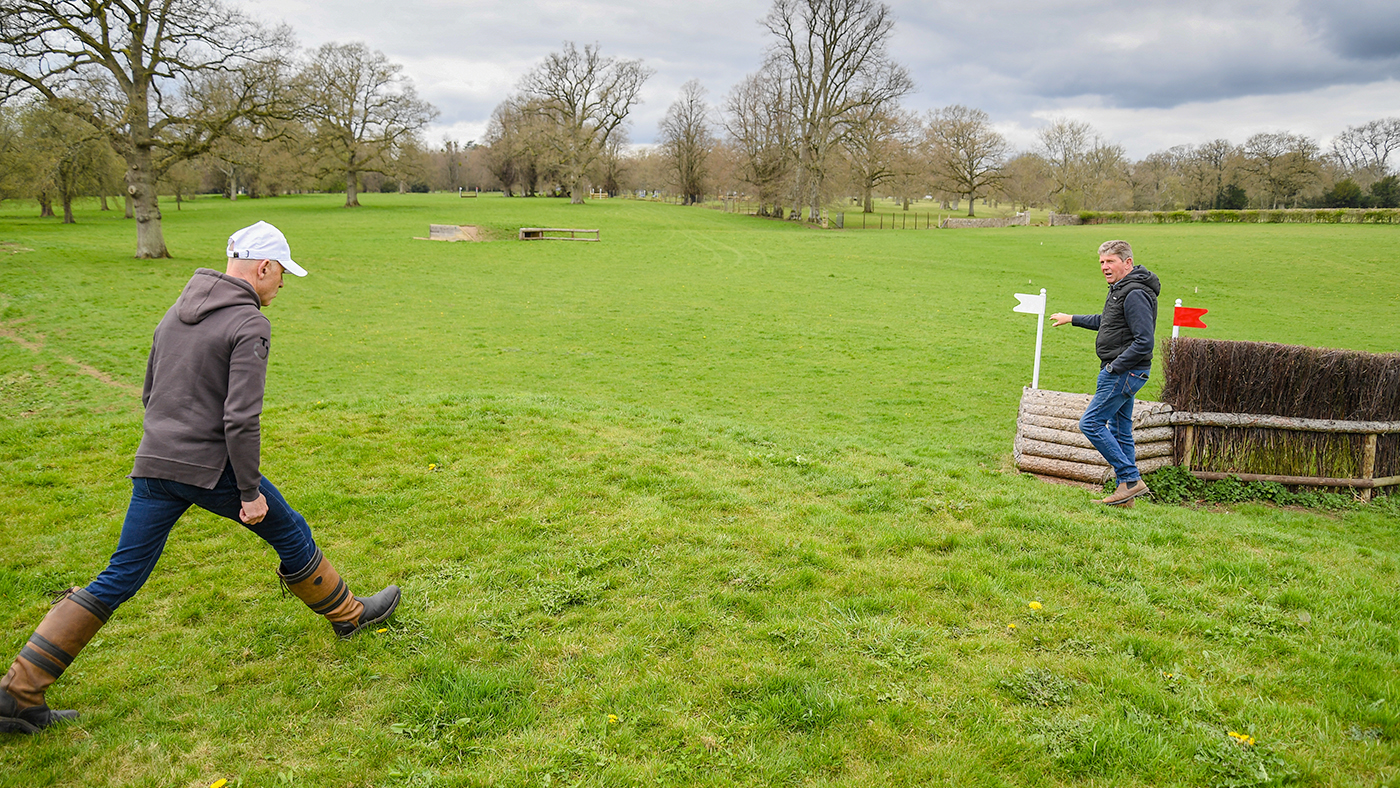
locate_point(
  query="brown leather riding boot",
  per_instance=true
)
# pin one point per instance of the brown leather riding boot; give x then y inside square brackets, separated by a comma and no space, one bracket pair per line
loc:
[69,625]
[323,590]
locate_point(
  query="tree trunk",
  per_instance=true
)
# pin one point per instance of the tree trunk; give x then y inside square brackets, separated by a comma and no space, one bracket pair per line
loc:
[352,196]
[232,186]
[868,204]
[150,241]
[576,193]
[126,204]
[104,203]
[68,209]
[971,205]
[45,205]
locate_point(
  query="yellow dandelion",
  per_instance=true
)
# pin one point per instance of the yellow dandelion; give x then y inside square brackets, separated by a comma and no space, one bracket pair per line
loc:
[1036,606]
[219,783]
[612,719]
[1011,626]
[381,631]
[432,466]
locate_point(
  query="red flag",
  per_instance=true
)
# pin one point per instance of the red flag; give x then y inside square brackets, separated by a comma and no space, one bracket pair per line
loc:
[1186,317]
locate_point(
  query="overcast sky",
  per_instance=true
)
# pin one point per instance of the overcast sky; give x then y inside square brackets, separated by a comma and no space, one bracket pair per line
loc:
[1145,75]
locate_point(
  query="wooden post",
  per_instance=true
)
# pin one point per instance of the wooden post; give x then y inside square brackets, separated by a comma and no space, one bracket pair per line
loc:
[1368,464]
[1189,438]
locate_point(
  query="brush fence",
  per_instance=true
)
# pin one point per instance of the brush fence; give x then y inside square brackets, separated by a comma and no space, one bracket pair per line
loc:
[1049,443]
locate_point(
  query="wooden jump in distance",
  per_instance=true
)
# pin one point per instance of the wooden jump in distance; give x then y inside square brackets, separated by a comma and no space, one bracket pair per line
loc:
[555,234]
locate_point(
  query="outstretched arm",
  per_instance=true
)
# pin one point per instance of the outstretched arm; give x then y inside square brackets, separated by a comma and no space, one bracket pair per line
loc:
[1090,322]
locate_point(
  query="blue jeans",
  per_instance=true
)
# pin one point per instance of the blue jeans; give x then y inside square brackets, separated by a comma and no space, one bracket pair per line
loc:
[155,506]
[1108,421]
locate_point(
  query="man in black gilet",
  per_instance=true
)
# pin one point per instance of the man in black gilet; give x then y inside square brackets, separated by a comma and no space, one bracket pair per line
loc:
[1124,347]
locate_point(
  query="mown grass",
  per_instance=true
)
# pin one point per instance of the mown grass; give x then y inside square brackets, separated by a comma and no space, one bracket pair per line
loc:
[717,501]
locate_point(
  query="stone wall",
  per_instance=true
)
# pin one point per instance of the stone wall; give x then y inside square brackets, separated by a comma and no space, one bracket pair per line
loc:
[1019,220]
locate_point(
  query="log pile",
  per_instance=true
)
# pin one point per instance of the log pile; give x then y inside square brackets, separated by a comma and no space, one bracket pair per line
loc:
[1049,443]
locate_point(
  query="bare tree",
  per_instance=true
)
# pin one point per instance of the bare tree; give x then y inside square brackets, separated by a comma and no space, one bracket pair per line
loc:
[759,119]
[687,140]
[1085,171]
[1283,164]
[1063,146]
[77,154]
[1107,184]
[361,112]
[515,140]
[585,98]
[132,69]
[833,55]
[1208,169]
[1156,180]
[966,153]
[12,156]
[613,163]
[1027,181]
[876,146]
[1367,148]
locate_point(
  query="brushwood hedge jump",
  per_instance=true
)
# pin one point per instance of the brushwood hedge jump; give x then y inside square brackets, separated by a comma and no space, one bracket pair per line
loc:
[1257,411]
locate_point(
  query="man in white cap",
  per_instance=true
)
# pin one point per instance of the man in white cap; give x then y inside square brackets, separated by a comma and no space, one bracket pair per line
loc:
[200,447]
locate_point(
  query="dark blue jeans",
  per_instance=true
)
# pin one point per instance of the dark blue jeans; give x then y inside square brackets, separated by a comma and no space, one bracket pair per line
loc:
[155,506]
[1108,421]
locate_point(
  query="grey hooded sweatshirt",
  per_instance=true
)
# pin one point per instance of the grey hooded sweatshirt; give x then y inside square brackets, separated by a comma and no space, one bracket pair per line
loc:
[204,386]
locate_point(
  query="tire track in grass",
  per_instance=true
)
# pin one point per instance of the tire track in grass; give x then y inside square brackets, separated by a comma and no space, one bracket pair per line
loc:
[8,331]
[715,247]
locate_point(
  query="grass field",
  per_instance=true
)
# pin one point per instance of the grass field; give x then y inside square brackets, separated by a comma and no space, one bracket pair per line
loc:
[716,501]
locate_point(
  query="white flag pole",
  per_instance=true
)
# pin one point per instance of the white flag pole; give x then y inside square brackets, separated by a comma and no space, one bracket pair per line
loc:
[1039,335]
[1175,328]
[1034,305]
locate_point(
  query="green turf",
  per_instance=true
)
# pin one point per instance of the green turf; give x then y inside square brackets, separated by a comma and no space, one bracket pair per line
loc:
[719,501]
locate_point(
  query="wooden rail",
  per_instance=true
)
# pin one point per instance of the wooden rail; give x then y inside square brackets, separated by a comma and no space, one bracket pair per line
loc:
[556,234]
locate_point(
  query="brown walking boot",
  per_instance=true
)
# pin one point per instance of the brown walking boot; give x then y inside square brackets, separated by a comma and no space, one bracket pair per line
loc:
[1125,493]
[68,626]
[322,589]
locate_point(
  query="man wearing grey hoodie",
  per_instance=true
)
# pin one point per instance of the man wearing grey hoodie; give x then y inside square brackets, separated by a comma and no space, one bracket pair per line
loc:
[201,446]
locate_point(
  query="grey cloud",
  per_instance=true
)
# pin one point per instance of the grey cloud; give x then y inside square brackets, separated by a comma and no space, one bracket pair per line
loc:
[1157,56]
[1012,58]
[1360,30]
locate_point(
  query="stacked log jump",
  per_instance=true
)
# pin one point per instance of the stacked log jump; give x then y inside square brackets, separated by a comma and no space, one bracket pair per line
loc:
[1049,443]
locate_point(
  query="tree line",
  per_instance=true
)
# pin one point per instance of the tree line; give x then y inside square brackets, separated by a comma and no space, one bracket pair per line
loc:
[133,99]
[138,97]
[820,124]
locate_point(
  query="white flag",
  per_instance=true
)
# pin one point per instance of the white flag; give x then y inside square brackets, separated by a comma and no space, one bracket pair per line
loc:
[1030,304]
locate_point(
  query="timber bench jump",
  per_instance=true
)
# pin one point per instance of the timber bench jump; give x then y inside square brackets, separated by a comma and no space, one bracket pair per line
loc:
[556,234]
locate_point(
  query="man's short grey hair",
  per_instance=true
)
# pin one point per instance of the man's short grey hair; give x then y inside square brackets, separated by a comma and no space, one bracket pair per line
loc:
[1120,249]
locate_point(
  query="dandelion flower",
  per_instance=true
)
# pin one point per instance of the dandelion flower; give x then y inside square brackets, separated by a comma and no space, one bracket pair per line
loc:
[219,783]
[612,719]
[1036,606]
[1011,626]
[381,631]
[432,466]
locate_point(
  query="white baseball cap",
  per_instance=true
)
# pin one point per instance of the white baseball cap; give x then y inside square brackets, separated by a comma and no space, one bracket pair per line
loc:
[262,241]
